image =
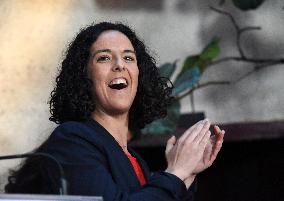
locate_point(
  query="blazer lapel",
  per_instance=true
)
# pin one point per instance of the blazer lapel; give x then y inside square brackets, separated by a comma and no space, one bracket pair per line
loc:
[120,167]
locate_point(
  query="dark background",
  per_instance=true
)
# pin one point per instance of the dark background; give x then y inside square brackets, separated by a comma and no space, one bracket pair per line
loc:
[245,170]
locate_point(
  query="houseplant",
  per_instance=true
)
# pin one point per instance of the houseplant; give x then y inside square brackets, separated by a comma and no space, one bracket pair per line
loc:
[184,83]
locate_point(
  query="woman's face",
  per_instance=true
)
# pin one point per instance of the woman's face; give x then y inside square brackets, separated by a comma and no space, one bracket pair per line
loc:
[113,69]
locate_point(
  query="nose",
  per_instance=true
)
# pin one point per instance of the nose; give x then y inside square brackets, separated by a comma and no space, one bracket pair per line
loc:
[118,65]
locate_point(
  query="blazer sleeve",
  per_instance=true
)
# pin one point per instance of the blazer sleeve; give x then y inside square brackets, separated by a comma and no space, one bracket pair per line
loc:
[88,173]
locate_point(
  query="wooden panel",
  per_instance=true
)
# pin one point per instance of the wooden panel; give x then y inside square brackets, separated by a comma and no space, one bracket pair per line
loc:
[234,132]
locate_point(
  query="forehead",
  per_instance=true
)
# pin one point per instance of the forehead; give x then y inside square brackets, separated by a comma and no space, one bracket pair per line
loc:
[112,40]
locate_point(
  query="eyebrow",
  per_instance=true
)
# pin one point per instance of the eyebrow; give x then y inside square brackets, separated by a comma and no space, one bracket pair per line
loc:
[109,51]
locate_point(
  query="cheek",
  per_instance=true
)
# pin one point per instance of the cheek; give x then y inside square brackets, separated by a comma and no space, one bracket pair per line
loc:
[97,74]
[98,79]
[135,73]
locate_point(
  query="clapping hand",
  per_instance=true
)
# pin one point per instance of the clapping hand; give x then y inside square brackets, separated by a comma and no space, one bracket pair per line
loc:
[211,150]
[194,151]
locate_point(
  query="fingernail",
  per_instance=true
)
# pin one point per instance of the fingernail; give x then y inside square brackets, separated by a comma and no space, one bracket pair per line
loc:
[205,120]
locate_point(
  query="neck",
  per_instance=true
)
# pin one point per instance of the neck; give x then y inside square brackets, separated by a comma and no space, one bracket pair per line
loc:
[116,125]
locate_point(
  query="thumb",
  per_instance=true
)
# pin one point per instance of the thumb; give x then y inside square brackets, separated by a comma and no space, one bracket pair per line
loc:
[170,143]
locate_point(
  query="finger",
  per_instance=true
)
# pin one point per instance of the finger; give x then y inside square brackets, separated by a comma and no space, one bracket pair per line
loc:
[190,138]
[217,129]
[212,139]
[205,139]
[222,135]
[217,147]
[199,136]
[215,153]
[219,136]
[189,131]
[218,133]
[170,143]
[208,151]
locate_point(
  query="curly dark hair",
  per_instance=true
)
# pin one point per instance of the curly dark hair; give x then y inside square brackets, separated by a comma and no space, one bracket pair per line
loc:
[72,97]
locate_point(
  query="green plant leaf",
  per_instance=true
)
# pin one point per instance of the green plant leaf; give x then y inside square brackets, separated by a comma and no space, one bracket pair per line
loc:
[211,51]
[201,61]
[247,4]
[189,62]
[159,127]
[167,69]
[186,80]
[174,111]
[166,125]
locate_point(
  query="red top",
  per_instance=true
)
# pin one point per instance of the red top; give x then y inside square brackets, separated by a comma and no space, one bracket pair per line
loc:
[137,169]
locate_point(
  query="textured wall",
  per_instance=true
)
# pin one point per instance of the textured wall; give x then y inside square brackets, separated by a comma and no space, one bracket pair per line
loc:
[34,34]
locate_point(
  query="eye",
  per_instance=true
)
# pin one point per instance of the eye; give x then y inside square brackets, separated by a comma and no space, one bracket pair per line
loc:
[129,58]
[103,58]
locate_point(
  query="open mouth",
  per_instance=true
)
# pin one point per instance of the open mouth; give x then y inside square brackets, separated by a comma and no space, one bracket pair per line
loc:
[118,83]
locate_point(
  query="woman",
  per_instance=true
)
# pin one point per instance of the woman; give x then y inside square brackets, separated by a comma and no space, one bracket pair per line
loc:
[108,87]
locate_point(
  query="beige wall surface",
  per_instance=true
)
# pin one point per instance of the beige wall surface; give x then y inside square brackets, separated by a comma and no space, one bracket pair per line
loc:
[34,35]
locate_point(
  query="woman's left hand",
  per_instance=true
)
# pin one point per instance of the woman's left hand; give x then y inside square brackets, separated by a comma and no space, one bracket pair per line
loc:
[211,151]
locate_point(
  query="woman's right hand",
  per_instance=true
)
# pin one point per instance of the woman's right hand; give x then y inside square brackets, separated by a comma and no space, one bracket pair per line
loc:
[184,154]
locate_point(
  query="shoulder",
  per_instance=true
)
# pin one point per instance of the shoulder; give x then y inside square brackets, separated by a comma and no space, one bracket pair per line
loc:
[72,126]
[81,140]
[73,134]
[87,133]
[75,129]
[74,141]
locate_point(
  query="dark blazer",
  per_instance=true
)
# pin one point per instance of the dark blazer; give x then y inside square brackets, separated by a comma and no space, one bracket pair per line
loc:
[95,164]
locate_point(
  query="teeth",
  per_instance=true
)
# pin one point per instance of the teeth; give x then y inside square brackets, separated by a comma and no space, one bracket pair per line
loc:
[118,81]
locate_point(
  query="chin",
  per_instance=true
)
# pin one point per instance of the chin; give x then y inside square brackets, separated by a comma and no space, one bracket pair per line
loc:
[120,109]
